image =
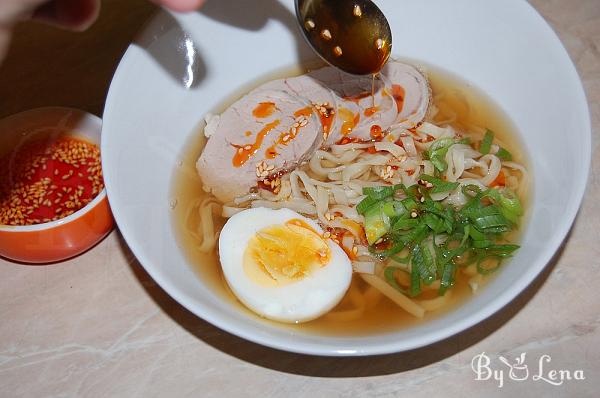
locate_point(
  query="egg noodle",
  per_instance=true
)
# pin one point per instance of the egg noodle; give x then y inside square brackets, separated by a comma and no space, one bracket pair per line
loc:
[330,185]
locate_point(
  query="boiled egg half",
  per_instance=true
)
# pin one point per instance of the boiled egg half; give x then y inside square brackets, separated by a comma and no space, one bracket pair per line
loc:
[279,265]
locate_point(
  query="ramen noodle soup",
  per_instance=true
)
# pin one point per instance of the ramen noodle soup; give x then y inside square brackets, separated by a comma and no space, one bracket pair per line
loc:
[349,205]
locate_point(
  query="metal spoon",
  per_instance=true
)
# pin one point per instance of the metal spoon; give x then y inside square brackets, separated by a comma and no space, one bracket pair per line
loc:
[352,35]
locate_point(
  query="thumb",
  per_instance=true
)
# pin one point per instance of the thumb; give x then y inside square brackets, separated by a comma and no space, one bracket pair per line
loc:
[72,14]
[180,5]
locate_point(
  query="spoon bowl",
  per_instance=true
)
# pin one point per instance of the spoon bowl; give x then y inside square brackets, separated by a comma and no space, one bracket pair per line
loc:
[352,35]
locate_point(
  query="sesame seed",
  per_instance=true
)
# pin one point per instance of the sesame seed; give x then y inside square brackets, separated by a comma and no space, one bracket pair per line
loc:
[310,24]
[25,192]
[357,11]
[337,50]
[326,34]
[355,250]
[379,43]
[414,214]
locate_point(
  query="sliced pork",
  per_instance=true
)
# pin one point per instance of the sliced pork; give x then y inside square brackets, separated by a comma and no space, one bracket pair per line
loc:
[263,133]
[412,92]
[320,96]
[280,124]
[360,115]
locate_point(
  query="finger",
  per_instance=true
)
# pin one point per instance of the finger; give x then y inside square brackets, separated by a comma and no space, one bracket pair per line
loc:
[72,14]
[181,5]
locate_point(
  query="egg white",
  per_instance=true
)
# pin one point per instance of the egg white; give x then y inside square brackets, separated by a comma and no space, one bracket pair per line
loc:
[299,301]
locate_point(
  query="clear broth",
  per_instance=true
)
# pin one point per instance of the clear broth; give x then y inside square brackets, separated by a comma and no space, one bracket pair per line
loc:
[472,107]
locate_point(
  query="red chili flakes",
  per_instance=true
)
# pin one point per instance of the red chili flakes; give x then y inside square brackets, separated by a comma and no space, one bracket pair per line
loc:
[46,181]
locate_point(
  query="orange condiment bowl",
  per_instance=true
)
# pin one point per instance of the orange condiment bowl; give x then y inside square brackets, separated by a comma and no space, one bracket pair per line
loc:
[69,236]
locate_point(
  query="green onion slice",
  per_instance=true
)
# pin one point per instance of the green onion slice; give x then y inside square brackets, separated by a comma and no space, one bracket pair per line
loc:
[486,144]
[504,154]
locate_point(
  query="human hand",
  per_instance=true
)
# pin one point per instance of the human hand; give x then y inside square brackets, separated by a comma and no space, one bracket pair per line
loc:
[71,14]
[80,14]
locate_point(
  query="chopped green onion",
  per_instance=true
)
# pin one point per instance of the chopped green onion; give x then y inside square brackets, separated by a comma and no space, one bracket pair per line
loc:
[447,278]
[415,282]
[366,204]
[439,185]
[509,203]
[401,260]
[410,192]
[497,221]
[438,238]
[476,234]
[388,273]
[438,162]
[377,223]
[410,204]
[486,144]
[421,260]
[394,209]
[504,154]
[397,248]
[482,244]
[437,152]
[435,223]
[449,219]
[417,235]
[501,250]
[405,223]
[379,193]
[374,195]
[465,235]
[440,143]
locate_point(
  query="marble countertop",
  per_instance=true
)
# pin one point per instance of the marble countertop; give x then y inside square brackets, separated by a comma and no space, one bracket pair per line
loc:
[98,325]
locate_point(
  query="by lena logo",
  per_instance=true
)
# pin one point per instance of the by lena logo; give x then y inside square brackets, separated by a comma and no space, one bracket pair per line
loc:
[519,371]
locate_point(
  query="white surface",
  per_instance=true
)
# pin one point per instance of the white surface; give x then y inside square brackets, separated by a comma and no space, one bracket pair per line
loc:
[504,48]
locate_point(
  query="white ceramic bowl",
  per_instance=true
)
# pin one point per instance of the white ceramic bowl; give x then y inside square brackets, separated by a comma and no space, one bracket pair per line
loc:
[182,66]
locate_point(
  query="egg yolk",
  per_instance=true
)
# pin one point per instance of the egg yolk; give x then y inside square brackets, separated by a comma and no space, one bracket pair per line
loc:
[285,253]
